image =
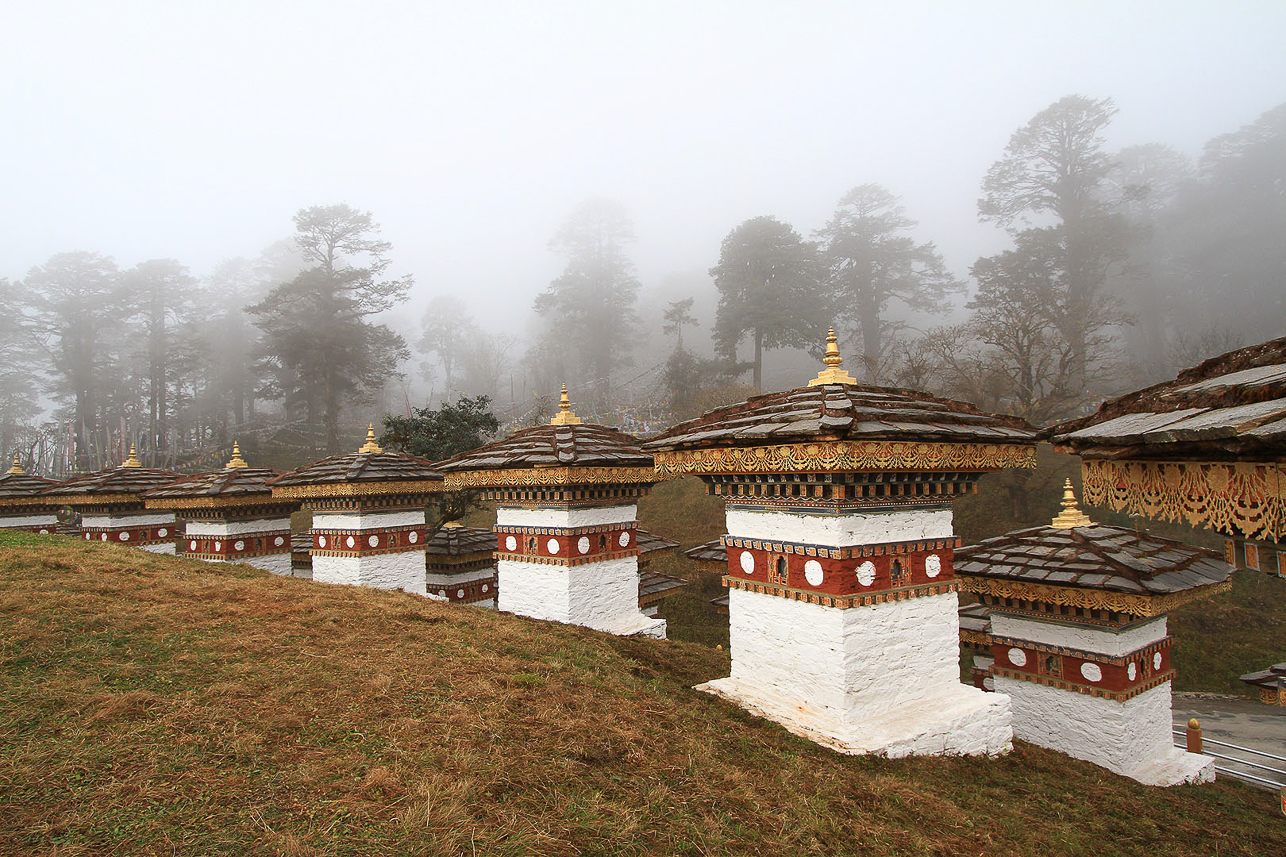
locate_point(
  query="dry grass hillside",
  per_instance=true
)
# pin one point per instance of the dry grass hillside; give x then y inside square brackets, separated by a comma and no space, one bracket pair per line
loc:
[157,706]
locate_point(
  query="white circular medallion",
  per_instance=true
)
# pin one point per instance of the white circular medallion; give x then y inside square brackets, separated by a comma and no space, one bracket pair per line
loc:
[747,562]
[624,540]
[1091,672]
[511,544]
[1156,661]
[104,536]
[1132,670]
[373,541]
[162,532]
[44,532]
[866,573]
[321,541]
[484,587]
[583,544]
[351,542]
[240,546]
[813,572]
[218,546]
[1017,657]
[191,546]
[279,541]
[413,537]
[459,593]
[933,565]
[552,545]
[124,536]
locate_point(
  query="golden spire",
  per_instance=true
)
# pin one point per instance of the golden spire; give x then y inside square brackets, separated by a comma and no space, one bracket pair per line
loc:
[236,462]
[132,461]
[565,416]
[17,465]
[1070,516]
[370,445]
[832,374]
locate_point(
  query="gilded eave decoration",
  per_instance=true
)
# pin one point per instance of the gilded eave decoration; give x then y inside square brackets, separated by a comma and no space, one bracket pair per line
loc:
[233,502]
[356,489]
[1231,497]
[1092,599]
[549,476]
[845,455]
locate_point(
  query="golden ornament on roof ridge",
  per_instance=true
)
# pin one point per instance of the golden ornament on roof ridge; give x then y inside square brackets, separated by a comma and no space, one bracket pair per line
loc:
[236,462]
[1071,516]
[132,461]
[832,374]
[17,465]
[370,445]
[565,415]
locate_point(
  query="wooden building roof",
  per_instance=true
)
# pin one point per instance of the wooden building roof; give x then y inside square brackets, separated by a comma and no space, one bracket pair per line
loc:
[19,488]
[123,484]
[583,445]
[1094,557]
[1230,407]
[370,470]
[235,483]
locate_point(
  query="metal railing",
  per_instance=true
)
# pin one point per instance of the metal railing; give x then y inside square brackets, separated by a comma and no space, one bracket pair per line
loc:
[1193,742]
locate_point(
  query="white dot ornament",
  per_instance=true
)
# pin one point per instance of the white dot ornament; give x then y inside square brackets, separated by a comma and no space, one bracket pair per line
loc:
[552,545]
[239,546]
[351,542]
[373,541]
[813,572]
[583,545]
[511,543]
[124,536]
[866,573]
[1091,672]
[933,565]
[162,532]
[279,541]
[191,546]
[1156,660]
[1017,657]
[413,537]
[321,541]
[747,562]
[624,540]
[1132,670]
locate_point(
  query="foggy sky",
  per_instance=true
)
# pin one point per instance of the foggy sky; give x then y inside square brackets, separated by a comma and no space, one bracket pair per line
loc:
[469,130]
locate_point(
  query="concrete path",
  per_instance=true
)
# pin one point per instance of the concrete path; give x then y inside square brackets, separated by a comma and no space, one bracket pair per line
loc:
[1249,724]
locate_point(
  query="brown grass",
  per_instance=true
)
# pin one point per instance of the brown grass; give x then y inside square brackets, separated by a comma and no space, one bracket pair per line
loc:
[150,705]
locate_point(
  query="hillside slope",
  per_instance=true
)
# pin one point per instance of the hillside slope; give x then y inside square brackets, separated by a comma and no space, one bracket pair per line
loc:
[152,705]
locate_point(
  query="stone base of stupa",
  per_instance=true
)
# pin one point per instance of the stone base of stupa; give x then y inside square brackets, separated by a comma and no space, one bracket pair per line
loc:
[882,678]
[150,531]
[1131,737]
[599,595]
[961,721]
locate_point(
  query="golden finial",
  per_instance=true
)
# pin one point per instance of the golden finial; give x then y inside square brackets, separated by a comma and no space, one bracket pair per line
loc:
[236,462]
[452,524]
[565,416]
[17,465]
[832,374]
[370,445]
[132,461]
[1070,516]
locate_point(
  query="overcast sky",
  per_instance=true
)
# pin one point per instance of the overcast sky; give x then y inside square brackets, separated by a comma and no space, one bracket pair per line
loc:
[469,129]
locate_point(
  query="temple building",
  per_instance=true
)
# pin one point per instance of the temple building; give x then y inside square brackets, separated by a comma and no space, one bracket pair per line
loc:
[1206,449]
[655,587]
[112,508]
[566,498]
[461,565]
[22,506]
[230,515]
[368,515]
[842,597]
[1078,638]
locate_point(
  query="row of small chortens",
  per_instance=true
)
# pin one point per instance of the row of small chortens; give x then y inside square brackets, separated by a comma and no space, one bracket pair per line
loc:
[842,565]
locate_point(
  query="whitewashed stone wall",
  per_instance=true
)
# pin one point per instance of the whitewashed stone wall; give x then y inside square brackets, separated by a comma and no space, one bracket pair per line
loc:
[841,530]
[883,678]
[566,518]
[140,519]
[44,521]
[1104,641]
[367,521]
[203,529]
[403,570]
[599,595]
[1130,737]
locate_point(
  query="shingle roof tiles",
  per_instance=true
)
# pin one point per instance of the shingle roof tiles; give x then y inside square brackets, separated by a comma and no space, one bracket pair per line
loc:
[584,445]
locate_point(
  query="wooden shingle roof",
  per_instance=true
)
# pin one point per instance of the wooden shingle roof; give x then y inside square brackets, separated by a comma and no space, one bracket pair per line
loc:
[843,412]
[582,445]
[1094,557]
[1230,407]
[108,486]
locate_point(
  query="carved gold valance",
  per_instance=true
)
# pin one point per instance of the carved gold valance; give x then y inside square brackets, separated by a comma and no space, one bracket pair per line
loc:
[356,489]
[548,476]
[1091,599]
[1231,497]
[845,455]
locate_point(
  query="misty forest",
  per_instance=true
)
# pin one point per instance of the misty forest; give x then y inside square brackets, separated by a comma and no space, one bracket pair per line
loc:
[1121,268]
